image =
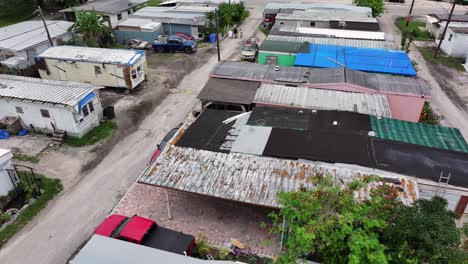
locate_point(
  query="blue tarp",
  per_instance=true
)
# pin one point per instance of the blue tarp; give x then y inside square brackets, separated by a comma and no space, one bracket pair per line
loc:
[362,59]
[85,100]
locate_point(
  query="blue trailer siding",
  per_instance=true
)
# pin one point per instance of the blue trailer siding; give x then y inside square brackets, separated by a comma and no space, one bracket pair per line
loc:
[122,36]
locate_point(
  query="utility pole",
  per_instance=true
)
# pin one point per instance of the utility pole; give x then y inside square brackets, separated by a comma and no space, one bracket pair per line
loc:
[409,14]
[445,29]
[217,35]
[45,25]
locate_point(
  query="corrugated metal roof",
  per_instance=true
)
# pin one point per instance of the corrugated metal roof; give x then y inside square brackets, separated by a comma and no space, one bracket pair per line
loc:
[316,76]
[241,177]
[418,133]
[327,32]
[325,16]
[321,99]
[27,34]
[46,91]
[276,7]
[106,6]
[106,250]
[172,17]
[99,55]
[336,41]
[284,46]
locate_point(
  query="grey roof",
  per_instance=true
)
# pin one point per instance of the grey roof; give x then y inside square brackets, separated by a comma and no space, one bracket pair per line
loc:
[46,91]
[28,34]
[251,140]
[112,7]
[358,43]
[454,18]
[321,99]
[330,78]
[231,91]
[106,250]
[273,8]
[248,178]
[327,33]
[99,55]
[171,17]
[325,16]
[285,46]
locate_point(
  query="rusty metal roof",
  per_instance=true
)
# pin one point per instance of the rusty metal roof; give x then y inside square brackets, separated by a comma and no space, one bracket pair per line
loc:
[247,178]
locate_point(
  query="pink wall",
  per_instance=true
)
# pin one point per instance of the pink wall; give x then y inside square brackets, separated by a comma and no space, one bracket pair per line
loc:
[406,108]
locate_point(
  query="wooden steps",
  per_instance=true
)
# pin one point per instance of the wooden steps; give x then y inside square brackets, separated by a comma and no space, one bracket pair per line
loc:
[58,137]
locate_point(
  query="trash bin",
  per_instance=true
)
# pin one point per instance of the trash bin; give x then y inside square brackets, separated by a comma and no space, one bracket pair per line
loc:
[109,113]
[212,38]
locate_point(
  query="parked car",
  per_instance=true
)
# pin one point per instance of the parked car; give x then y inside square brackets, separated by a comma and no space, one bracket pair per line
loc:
[249,50]
[163,143]
[144,231]
[174,43]
[136,44]
[185,36]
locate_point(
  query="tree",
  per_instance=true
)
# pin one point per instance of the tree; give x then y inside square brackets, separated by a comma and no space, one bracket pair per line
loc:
[228,14]
[91,25]
[329,224]
[377,6]
[424,233]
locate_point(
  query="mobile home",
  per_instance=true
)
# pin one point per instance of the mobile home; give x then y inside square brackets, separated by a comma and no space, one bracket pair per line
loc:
[48,106]
[105,67]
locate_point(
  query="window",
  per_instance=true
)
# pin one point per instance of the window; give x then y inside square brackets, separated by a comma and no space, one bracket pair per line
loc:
[312,24]
[119,16]
[281,23]
[139,69]
[97,70]
[342,24]
[129,11]
[45,113]
[85,111]
[134,74]
[450,37]
[91,107]
[271,60]
[19,110]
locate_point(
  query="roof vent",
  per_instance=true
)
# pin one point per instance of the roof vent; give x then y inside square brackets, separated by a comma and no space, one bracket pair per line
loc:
[314,111]
[371,134]
[300,112]
[277,68]
[335,123]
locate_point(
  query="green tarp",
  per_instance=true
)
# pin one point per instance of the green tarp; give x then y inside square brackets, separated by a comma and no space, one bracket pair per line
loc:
[419,133]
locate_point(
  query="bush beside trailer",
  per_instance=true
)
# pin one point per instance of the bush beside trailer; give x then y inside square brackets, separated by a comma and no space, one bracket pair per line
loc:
[104,67]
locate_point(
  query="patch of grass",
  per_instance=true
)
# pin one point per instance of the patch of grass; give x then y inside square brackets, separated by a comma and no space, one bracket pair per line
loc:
[14,11]
[414,25]
[153,2]
[454,63]
[264,30]
[50,188]
[101,132]
[428,116]
[22,157]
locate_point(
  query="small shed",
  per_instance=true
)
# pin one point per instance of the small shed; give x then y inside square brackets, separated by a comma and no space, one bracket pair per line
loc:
[455,43]
[6,183]
[105,67]
[137,28]
[47,106]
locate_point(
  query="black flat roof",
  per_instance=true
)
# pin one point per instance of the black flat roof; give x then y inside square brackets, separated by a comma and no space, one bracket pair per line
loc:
[169,240]
[207,131]
[228,90]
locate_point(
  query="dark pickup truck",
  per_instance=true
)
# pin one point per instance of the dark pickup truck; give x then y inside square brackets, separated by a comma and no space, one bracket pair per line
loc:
[143,231]
[174,43]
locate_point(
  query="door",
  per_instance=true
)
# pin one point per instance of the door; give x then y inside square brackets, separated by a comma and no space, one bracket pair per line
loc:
[461,206]
[62,73]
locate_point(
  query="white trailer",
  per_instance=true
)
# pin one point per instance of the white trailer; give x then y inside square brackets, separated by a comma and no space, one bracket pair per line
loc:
[105,67]
[48,106]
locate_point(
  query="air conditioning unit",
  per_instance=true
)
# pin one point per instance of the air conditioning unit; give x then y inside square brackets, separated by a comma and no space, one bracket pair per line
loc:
[342,24]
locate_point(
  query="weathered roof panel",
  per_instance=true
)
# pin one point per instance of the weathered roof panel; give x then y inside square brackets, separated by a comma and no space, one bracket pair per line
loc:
[99,55]
[46,91]
[28,34]
[273,8]
[325,16]
[107,6]
[336,41]
[231,91]
[321,99]
[251,140]
[284,46]
[326,32]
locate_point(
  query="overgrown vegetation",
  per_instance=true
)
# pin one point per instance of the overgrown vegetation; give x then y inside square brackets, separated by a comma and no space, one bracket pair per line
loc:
[264,30]
[91,25]
[153,2]
[330,225]
[50,188]
[428,116]
[413,26]
[451,62]
[13,11]
[98,133]
[22,157]
[377,6]
[228,15]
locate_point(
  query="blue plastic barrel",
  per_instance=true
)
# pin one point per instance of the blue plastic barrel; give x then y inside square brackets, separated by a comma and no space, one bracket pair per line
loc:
[212,38]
